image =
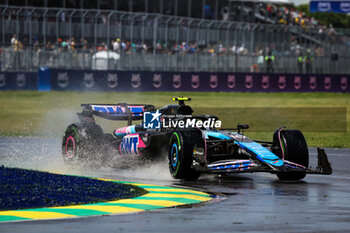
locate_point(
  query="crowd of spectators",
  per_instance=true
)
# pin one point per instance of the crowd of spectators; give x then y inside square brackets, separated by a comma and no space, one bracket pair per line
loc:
[264,56]
[122,46]
[297,18]
[281,14]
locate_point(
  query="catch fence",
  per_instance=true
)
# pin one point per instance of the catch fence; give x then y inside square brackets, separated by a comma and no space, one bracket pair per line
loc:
[161,42]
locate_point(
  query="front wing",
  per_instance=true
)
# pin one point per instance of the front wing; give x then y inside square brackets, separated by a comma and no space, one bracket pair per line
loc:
[242,166]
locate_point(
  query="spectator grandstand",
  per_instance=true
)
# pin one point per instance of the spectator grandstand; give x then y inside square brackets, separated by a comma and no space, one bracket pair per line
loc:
[201,35]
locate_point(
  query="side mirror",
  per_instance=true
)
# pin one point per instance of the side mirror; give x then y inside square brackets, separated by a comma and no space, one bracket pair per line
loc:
[239,127]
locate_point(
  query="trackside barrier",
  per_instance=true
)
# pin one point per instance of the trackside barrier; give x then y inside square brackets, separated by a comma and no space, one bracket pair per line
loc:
[18,81]
[44,79]
[196,81]
[88,80]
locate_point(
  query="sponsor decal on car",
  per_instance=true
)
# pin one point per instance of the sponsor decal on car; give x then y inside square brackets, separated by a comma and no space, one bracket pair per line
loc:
[198,151]
[118,109]
[130,144]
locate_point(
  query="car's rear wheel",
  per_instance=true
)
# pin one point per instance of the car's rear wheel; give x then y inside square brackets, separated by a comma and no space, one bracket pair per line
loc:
[180,156]
[80,142]
[69,146]
[292,145]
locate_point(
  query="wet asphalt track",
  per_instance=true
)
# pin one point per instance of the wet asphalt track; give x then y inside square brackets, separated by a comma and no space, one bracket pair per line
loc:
[254,202]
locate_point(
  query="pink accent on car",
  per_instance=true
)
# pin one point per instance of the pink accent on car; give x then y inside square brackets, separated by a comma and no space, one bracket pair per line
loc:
[121,130]
[141,143]
[71,153]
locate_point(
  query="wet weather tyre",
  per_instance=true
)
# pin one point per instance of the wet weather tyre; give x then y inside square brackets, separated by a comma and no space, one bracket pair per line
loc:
[295,150]
[180,157]
[79,141]
[69,146]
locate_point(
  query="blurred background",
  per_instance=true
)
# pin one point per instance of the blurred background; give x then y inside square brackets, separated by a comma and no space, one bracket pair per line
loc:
[173,35]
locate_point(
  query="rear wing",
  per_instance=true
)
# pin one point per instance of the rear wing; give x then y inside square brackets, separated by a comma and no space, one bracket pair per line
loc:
[117,112]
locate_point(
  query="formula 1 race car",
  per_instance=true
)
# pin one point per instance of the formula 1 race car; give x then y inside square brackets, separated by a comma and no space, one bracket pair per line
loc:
[194,143]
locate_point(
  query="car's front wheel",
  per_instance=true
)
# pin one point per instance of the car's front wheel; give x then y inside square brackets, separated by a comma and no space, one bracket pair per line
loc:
[180,156]
[292,147]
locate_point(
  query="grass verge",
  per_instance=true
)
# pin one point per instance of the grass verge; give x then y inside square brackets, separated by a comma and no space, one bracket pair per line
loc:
[32,113]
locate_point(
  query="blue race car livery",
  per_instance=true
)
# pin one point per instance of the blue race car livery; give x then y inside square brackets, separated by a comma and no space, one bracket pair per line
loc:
[192,148]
